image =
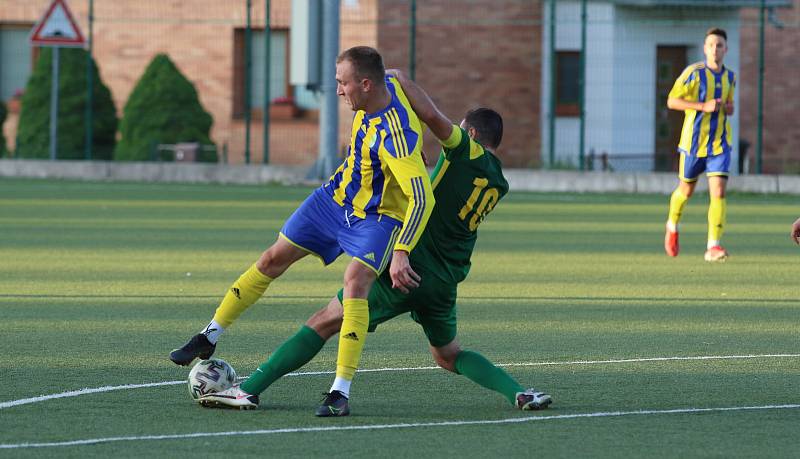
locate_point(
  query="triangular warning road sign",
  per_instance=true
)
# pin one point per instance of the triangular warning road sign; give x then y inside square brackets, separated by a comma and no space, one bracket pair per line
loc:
[57,28]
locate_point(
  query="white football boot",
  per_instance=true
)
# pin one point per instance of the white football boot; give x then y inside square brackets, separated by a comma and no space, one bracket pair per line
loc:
[230,398]
[532,400]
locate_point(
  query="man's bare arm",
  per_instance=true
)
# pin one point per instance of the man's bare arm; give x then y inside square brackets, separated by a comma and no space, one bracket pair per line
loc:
[709,106]
[423,106]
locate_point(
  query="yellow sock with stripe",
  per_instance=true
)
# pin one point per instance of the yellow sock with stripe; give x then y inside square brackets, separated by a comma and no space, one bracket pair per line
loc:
[717,209]
[352,336]
[244,292]
[676,204]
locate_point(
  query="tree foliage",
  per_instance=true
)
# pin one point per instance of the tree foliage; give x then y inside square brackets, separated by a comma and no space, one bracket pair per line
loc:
[163,109]
[33,134]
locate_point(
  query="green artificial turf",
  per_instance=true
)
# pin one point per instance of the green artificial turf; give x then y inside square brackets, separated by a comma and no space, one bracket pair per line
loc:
[571,293]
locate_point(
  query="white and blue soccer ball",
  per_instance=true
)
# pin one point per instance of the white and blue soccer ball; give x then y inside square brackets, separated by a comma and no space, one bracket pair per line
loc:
[209,376]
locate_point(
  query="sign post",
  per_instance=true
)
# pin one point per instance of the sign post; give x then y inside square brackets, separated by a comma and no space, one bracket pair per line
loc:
[54,106]
[56,29]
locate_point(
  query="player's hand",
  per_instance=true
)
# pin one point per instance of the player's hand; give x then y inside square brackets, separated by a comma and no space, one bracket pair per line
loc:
[728,107]
[796,231]
[403,277]
[711,106]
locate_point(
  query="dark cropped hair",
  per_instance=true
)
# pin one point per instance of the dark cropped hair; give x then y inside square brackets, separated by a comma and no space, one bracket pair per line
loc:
[367,63]
[717,31]
[488,124]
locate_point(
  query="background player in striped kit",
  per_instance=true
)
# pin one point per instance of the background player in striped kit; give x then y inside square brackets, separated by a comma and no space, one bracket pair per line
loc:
[704,92]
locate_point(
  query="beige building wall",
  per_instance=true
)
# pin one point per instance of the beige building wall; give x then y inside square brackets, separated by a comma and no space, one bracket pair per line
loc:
[462,67]
[198,36]
[483,52]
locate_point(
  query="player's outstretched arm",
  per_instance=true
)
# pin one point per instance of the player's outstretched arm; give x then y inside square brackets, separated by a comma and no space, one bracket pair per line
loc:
[796,231]
[423,106]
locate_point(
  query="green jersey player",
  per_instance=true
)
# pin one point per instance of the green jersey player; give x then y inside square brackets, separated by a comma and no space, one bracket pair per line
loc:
[468,182]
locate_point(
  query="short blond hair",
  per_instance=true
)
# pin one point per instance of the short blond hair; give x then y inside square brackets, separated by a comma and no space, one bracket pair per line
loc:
[367,63]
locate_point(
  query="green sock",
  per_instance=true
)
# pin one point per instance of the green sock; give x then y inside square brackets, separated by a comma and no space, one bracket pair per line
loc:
[481,371]
[295,352]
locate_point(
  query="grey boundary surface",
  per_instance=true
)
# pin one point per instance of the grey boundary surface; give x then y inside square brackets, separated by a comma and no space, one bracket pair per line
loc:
[519,179]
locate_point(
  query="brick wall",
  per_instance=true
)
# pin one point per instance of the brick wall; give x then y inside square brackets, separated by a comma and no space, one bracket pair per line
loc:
[781,135]
[465,58]
[470,54]
[480,52]
[198,37]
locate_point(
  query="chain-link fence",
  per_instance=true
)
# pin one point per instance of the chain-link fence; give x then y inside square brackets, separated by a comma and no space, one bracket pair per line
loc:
[629,60]
[218,46]
[581,86]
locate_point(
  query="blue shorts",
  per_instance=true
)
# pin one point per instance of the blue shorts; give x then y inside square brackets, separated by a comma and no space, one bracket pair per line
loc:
[323,228]
[691,166]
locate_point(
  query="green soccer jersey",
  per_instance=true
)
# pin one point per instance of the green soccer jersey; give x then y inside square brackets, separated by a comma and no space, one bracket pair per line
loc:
[467,182]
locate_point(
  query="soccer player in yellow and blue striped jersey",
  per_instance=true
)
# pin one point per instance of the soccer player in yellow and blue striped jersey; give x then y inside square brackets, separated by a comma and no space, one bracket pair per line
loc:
[385,155]
[468,182]
[704,92]
[374,208]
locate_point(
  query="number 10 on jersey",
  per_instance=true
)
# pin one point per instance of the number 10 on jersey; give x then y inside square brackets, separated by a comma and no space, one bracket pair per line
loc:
[487,203]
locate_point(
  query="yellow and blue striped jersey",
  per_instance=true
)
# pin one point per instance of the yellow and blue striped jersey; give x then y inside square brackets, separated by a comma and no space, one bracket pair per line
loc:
[383,172]
[705,134]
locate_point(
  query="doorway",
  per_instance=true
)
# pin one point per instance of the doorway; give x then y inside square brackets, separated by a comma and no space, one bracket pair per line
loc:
[670,62]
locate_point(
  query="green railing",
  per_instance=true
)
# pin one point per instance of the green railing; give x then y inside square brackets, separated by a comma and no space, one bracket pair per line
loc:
[576,81]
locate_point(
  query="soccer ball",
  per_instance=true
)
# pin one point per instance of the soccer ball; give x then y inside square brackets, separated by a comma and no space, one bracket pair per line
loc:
[209,376]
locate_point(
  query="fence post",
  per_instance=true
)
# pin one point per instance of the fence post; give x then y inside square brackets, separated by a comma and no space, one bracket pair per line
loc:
[760,123]
[248,66]
[267,64]
[551,121]
[89,86]
[329,106]
[582,134]
[54,104]
[412,45]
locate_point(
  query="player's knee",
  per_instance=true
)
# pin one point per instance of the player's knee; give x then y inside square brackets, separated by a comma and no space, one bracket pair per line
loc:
[273,262]
[716,187]
[446,356]
[326,322]
[267,264]
[687,189]
[446,362]
[357,280]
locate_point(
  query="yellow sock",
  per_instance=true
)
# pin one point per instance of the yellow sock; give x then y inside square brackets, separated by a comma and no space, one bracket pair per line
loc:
[716,219]
[352,336]
[244,292]
[676,204]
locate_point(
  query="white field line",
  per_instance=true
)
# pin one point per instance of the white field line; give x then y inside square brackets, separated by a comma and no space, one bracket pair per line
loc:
[76,393]
[602,414]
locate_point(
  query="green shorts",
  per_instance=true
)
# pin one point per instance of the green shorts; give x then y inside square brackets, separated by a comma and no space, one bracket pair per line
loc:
[432,305]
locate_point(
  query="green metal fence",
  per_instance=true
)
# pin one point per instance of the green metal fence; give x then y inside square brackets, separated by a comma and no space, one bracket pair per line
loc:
[601,72]
[581,84]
